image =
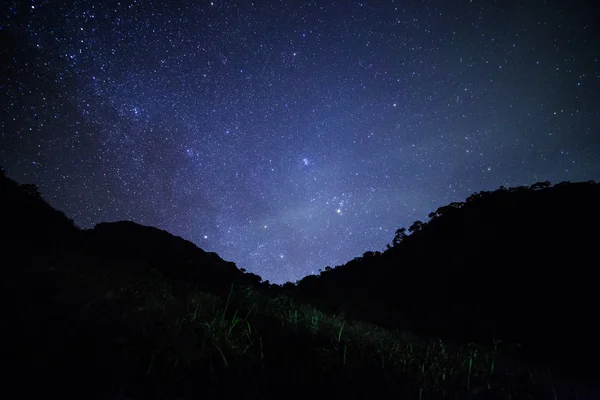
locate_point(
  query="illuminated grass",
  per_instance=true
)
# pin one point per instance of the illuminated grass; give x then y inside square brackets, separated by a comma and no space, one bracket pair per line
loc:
[173,331]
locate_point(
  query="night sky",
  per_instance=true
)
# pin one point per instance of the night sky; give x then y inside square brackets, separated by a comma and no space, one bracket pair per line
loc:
[288,135]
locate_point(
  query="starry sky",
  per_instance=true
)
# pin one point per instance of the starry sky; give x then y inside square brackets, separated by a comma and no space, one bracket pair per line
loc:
[291,135]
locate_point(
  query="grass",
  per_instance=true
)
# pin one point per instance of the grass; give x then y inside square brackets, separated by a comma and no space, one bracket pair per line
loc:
[166,337]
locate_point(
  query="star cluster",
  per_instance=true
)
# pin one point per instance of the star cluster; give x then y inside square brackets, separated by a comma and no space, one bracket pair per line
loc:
[291,135]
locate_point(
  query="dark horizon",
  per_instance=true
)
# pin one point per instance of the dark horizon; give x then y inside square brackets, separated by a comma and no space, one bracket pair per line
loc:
[291,137]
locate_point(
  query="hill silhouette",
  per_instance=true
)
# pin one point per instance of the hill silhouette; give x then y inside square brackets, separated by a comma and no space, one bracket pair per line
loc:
[147,248]
[517,264]
[29,222]
[134,311]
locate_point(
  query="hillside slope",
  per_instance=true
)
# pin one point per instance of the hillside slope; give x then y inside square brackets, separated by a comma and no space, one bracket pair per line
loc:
[31,226]
[516,264]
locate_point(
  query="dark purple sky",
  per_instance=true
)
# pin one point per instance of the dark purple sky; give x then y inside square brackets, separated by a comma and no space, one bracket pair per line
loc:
[291,135]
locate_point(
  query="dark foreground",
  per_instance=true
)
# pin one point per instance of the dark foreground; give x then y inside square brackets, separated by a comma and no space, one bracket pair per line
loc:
[75,329]
[137,313]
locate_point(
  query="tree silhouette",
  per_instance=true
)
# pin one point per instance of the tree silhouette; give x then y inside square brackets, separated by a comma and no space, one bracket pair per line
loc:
[415,227]
[399,237]
[540,185]
[478,196]
[367,254]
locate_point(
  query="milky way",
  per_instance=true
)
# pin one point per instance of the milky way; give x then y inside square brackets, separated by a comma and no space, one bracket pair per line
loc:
[288,135]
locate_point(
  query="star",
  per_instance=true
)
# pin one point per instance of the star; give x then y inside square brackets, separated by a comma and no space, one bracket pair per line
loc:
[202,127]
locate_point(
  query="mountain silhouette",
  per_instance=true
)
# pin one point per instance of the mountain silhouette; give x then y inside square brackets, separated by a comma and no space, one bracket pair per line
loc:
[148,248]
[29,222]
[516,264]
